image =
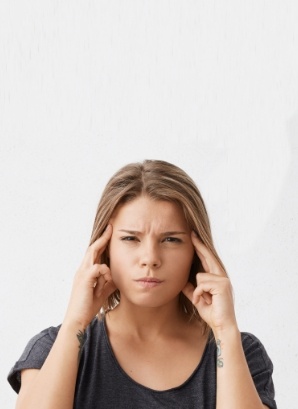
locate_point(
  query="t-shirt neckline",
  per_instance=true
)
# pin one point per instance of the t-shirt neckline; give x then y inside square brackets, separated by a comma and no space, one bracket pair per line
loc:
[125,374]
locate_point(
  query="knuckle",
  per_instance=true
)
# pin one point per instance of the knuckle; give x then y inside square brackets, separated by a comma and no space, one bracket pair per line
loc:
[94,269]
[104,269]
[103,265]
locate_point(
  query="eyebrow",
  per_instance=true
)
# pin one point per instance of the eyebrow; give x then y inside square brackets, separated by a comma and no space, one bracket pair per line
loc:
[166,233]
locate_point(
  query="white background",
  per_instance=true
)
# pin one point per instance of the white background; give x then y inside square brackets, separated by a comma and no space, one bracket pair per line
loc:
[88,86]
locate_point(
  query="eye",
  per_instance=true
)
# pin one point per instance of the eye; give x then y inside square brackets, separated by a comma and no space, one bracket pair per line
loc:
[172,240]
[128,238]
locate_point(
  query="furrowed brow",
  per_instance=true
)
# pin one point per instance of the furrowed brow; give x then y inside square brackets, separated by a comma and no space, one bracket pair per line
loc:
[130,231]
[173,233]
[166,233]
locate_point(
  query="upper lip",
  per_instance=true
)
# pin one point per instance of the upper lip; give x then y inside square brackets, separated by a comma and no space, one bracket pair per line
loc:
[150,279]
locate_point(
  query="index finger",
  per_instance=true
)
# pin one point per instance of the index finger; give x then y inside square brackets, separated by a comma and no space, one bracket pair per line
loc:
[97,248]
[208,260]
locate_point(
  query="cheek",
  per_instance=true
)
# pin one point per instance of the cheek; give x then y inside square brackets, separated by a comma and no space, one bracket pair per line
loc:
[184,263]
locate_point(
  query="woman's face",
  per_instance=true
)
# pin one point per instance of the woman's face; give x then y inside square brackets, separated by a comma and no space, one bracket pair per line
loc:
[150,251]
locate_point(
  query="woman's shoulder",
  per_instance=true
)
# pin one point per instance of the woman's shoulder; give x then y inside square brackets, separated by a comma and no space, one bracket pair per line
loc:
[39,346]
[260,366]
[252,344]
[40,342]
[33,356]
[255,352]
[47,336]
[43,341]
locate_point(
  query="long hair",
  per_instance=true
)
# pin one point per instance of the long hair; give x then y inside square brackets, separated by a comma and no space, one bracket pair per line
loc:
[157,180]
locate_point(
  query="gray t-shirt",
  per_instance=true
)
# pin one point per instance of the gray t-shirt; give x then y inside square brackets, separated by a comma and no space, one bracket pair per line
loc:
[102,383]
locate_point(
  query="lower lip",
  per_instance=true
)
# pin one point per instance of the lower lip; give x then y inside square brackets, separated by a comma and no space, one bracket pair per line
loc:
[149,284]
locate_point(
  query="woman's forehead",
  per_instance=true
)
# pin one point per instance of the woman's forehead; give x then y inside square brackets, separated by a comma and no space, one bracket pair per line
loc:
[143,211]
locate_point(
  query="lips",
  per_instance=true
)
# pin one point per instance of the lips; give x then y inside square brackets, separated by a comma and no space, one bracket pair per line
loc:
[148,282]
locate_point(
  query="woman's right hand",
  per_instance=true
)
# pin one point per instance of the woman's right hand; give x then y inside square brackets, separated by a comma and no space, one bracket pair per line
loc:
[92,284]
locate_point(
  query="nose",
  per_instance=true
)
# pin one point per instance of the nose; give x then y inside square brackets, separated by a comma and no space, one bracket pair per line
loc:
[150,256]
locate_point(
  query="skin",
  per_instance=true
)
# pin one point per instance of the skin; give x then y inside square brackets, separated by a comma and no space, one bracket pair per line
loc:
[147,240]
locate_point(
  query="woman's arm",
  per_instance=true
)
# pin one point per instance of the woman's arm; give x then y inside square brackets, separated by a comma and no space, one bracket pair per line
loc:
[213,298]
[53,386]
[235,387]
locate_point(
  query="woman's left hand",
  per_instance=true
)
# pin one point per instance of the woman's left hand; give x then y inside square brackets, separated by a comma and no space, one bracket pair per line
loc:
[213,296]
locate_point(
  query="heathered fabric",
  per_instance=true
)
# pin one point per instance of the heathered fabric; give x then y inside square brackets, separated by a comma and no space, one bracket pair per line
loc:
[102,384]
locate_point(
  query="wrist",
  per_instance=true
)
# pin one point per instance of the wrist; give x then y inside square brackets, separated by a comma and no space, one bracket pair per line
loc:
[73,326]
[227,332]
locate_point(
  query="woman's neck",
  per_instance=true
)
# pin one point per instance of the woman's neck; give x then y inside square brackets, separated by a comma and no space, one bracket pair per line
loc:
[147,323]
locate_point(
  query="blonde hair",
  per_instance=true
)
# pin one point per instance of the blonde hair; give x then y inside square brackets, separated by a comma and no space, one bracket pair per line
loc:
[158,180]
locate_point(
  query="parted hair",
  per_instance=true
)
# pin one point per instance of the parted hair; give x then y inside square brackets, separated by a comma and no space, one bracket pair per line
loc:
[157,180]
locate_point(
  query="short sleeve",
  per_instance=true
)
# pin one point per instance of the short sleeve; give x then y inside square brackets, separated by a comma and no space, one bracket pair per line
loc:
[33,356]
[261,368]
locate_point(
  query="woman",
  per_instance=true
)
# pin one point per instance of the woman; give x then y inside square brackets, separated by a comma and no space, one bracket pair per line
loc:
[167,335]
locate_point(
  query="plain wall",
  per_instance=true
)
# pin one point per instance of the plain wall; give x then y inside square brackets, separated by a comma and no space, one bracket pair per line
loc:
[88,86]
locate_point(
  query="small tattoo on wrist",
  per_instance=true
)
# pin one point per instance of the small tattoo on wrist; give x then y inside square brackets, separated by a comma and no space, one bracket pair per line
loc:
[81,336]
[220,363]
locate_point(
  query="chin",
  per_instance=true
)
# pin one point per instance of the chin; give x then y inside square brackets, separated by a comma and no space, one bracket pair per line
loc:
[149,301]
